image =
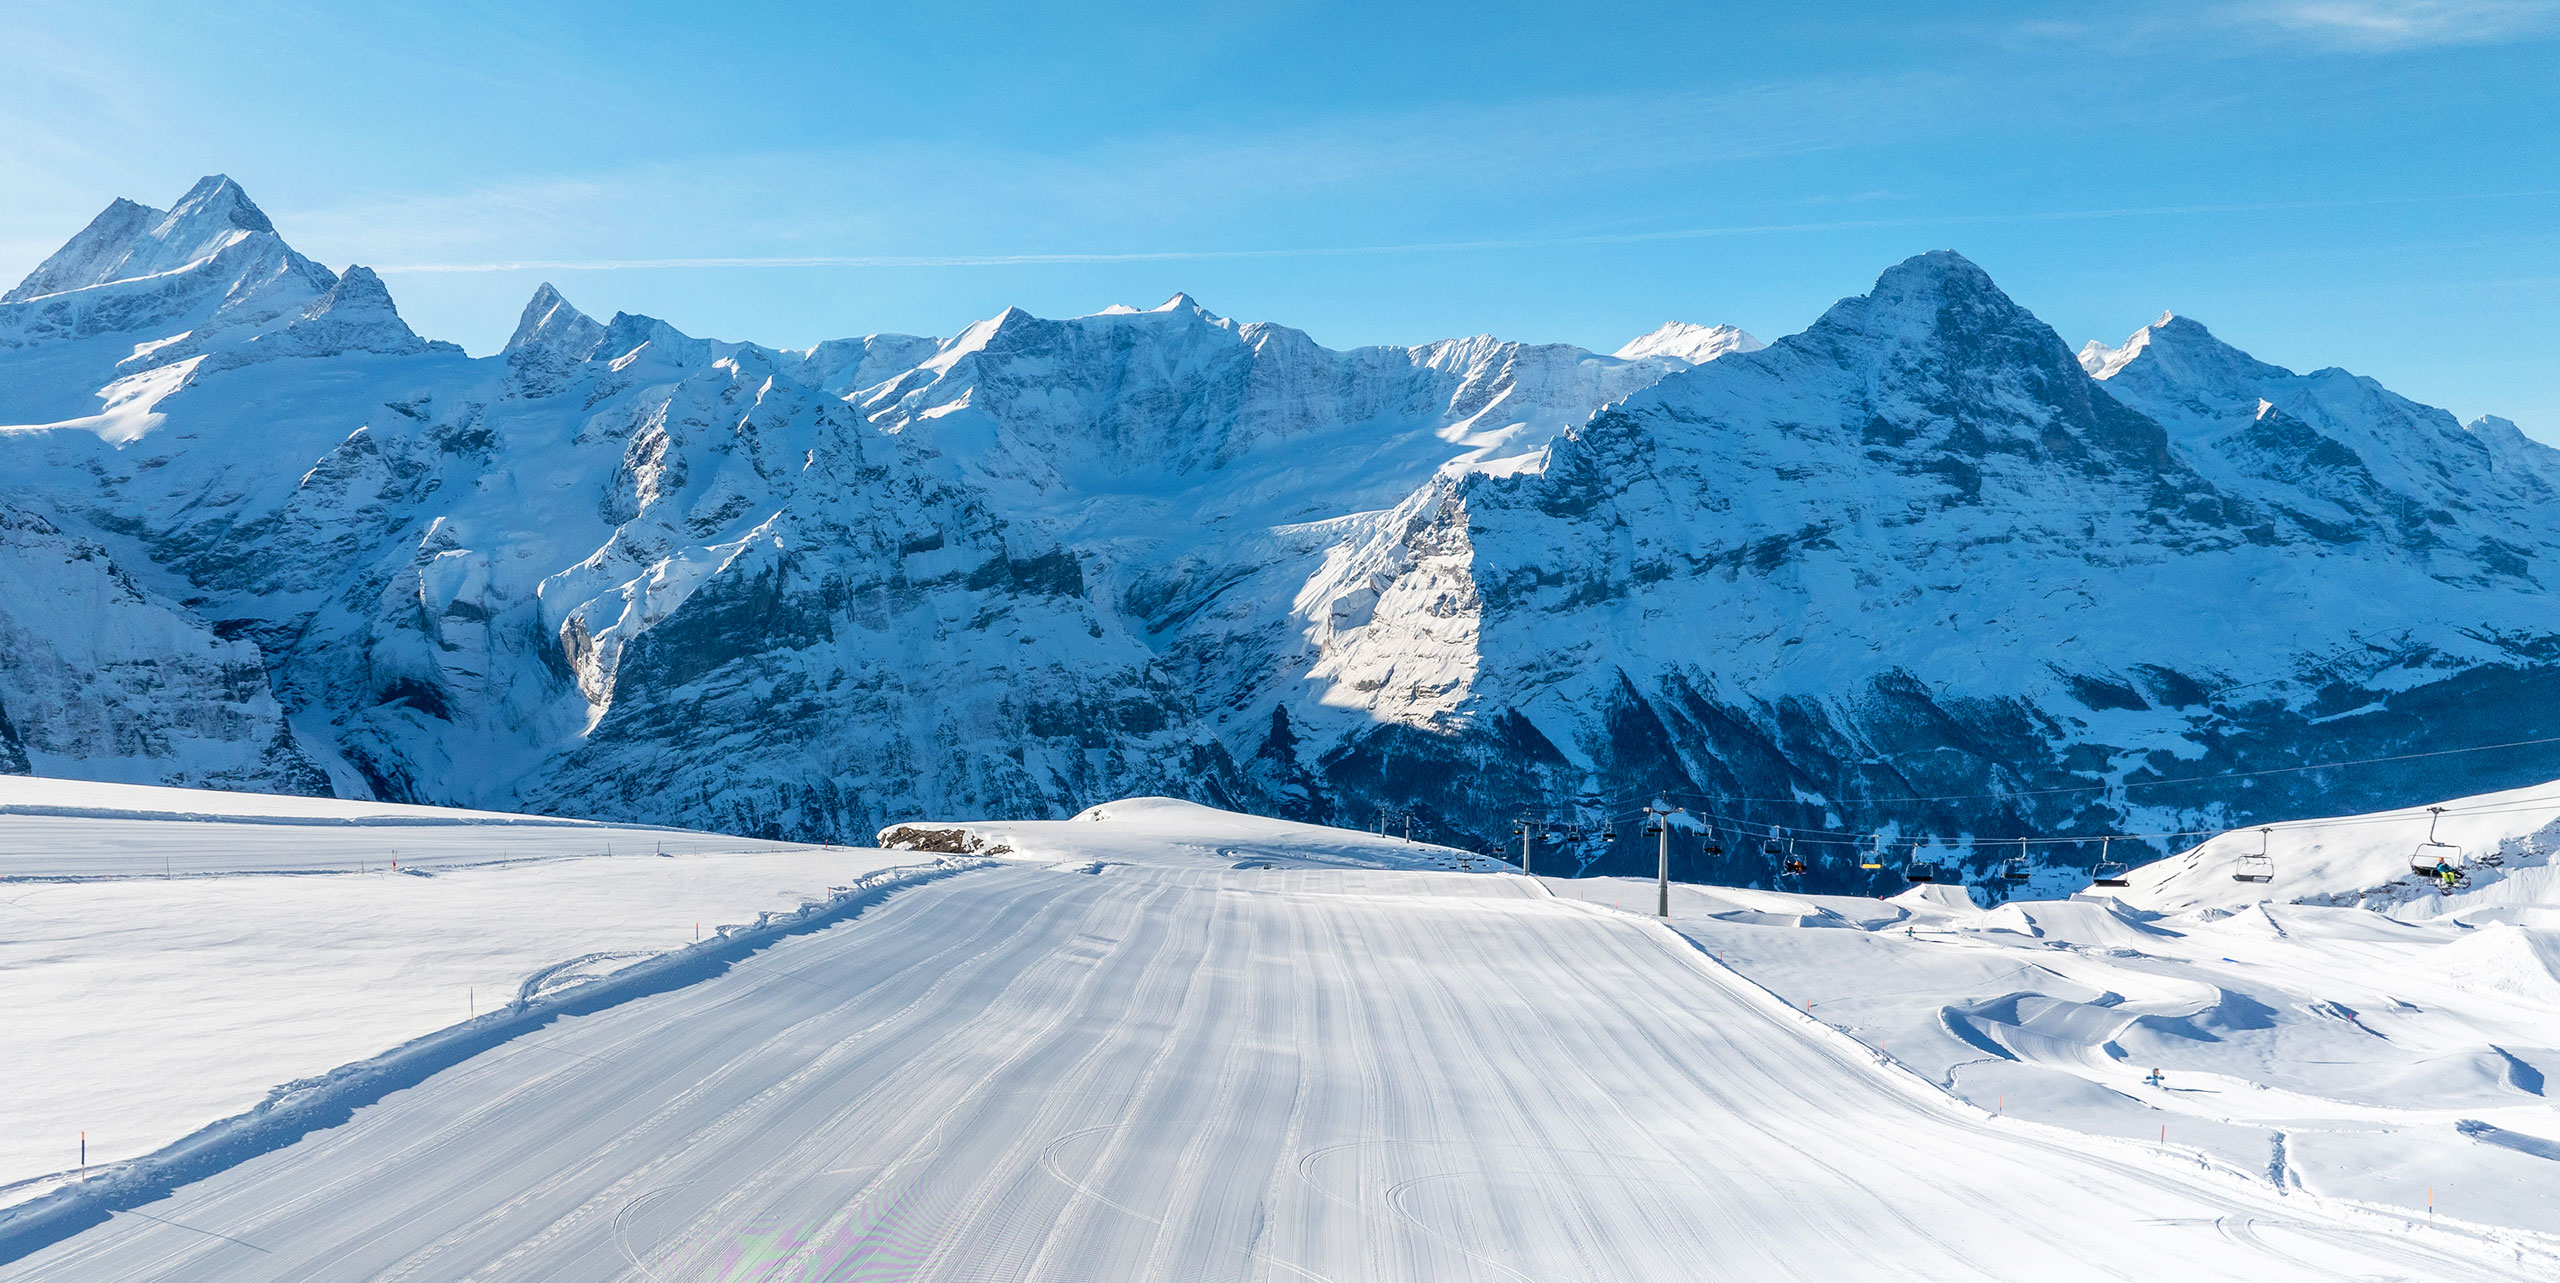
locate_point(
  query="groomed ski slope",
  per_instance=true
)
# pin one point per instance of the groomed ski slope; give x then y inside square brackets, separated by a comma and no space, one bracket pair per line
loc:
[1165,1066]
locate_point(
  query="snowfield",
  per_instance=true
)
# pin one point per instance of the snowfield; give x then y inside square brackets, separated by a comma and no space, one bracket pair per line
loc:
[1159,1041]
[170,955]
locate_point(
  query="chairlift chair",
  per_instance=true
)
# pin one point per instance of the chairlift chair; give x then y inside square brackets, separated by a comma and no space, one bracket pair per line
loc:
[2111,873]
[2431,855]
[1609,829]
[1918,870]
[1794,867]
[2257,867]
[1872,859]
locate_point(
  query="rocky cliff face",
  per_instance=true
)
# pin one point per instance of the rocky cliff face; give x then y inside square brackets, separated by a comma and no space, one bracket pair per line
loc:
[102,679]
[1916,570]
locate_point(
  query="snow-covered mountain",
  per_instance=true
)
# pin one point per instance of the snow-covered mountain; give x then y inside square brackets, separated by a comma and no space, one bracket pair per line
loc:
[620,571]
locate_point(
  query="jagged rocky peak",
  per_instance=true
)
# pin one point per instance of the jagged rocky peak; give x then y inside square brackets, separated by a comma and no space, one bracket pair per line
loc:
[1935,327]
[1690,342]
[131,240]
[1938,329]
[90,256]
[214,208]
[551,323]
[1935,376]
[1937,298]
[355,314]
[552,338]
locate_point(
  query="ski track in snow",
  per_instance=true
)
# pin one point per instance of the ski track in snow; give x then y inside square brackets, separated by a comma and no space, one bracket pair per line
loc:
[1168,1072]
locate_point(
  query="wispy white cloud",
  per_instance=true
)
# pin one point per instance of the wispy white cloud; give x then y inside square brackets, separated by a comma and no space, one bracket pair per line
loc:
[2328,26]
[914,201]
[2392,25]
[1449,246]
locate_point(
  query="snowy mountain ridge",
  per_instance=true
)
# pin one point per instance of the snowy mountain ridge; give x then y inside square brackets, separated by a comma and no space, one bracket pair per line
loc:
[620,571]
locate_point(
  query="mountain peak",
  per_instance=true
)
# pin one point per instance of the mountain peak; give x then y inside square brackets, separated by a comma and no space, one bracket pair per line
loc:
[89,257]
[549,322]
[1939,303]
[2179,348]
[1687,341]
[130,239]
[1180,302]
[355,314]
[217,204]
[551,338]
[1937,275]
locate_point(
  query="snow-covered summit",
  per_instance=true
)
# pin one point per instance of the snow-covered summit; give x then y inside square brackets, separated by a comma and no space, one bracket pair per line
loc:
[129,240]
[141,291]
[2181,350]
[355,315]
[2341,457]
[1695,344]
[551,338]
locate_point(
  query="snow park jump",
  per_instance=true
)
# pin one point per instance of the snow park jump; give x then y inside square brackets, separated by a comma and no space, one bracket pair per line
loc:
[1052,785]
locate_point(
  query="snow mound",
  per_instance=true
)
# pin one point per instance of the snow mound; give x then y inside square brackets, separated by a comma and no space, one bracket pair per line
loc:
[2510,959]
[1936,904]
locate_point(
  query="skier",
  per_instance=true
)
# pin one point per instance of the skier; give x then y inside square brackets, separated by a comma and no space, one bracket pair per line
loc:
[2446,873]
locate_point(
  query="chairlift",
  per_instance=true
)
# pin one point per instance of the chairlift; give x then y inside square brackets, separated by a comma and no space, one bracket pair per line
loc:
[2257,867]
[2433,858]
[1609,829]
[2111,873]
[1872,859]
[2015,870]
[1794,867]
[1917,869]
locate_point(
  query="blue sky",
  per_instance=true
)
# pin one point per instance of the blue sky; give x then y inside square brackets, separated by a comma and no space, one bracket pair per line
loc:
[2367,183]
